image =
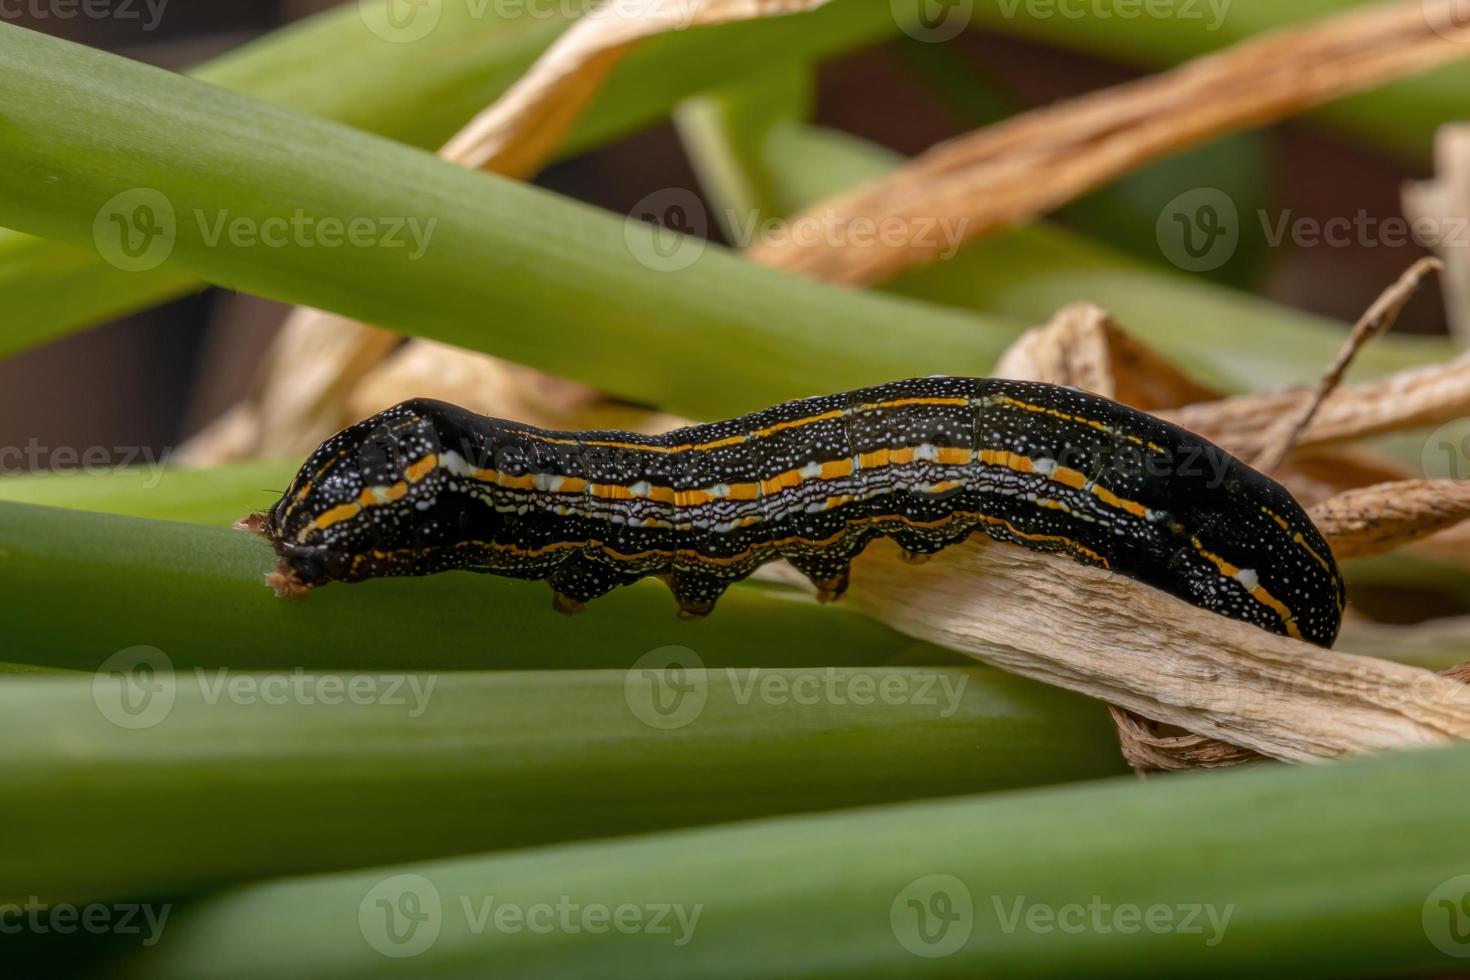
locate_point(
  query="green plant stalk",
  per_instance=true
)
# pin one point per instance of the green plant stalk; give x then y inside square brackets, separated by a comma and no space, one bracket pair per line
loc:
[330,65]
[421,92]
[508,269]
[1321,870]
[197,593]
[724,134]
[226,787]
[216,497]
[1221,335]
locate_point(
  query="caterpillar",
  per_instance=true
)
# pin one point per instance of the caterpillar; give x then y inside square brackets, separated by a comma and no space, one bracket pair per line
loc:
[426,486]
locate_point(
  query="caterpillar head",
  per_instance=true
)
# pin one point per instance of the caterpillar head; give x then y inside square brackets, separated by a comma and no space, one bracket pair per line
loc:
[357,507]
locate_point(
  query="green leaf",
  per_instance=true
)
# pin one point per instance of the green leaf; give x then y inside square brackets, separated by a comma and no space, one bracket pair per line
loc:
[222,776]
[1354,868]
[198,594]
[421,93]
[99,145]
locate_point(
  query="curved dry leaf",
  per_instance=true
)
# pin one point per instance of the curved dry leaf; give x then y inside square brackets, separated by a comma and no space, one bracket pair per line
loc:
[1147,750]
[1084,347]
[1032,163]
[299,390]
[1373,520]
[519,132]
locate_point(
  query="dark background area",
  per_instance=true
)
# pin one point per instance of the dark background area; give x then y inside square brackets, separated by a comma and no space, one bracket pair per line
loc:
[153,378]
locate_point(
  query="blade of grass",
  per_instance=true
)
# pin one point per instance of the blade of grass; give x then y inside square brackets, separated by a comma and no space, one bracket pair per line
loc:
[509,269]
[1327,870]
[197,594]
[239,776]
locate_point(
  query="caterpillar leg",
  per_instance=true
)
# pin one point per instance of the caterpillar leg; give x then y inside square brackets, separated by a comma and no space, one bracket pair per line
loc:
[695,592]
[579,580]
[828,573]
[916,548]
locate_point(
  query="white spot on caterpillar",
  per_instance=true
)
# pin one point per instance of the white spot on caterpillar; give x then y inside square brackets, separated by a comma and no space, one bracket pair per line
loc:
[719,491]
[926,451]
[1248,578]
[454,463]
[550,482]
[811,471]
[1045,465]
[641,489]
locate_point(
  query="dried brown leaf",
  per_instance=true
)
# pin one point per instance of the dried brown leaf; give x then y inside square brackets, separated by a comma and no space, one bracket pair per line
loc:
[1414,398]
[1033,163]
[1084,347]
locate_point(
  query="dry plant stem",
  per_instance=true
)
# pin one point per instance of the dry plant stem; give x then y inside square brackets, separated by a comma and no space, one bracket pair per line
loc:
[1444,203]
[1033,163]
[304,388]
[1124,643]
[1382,518]
[1414,398]
[1082,346]
[1379,317]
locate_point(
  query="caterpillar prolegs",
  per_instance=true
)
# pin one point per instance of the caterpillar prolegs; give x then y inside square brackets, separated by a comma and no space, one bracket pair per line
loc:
[426,487]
